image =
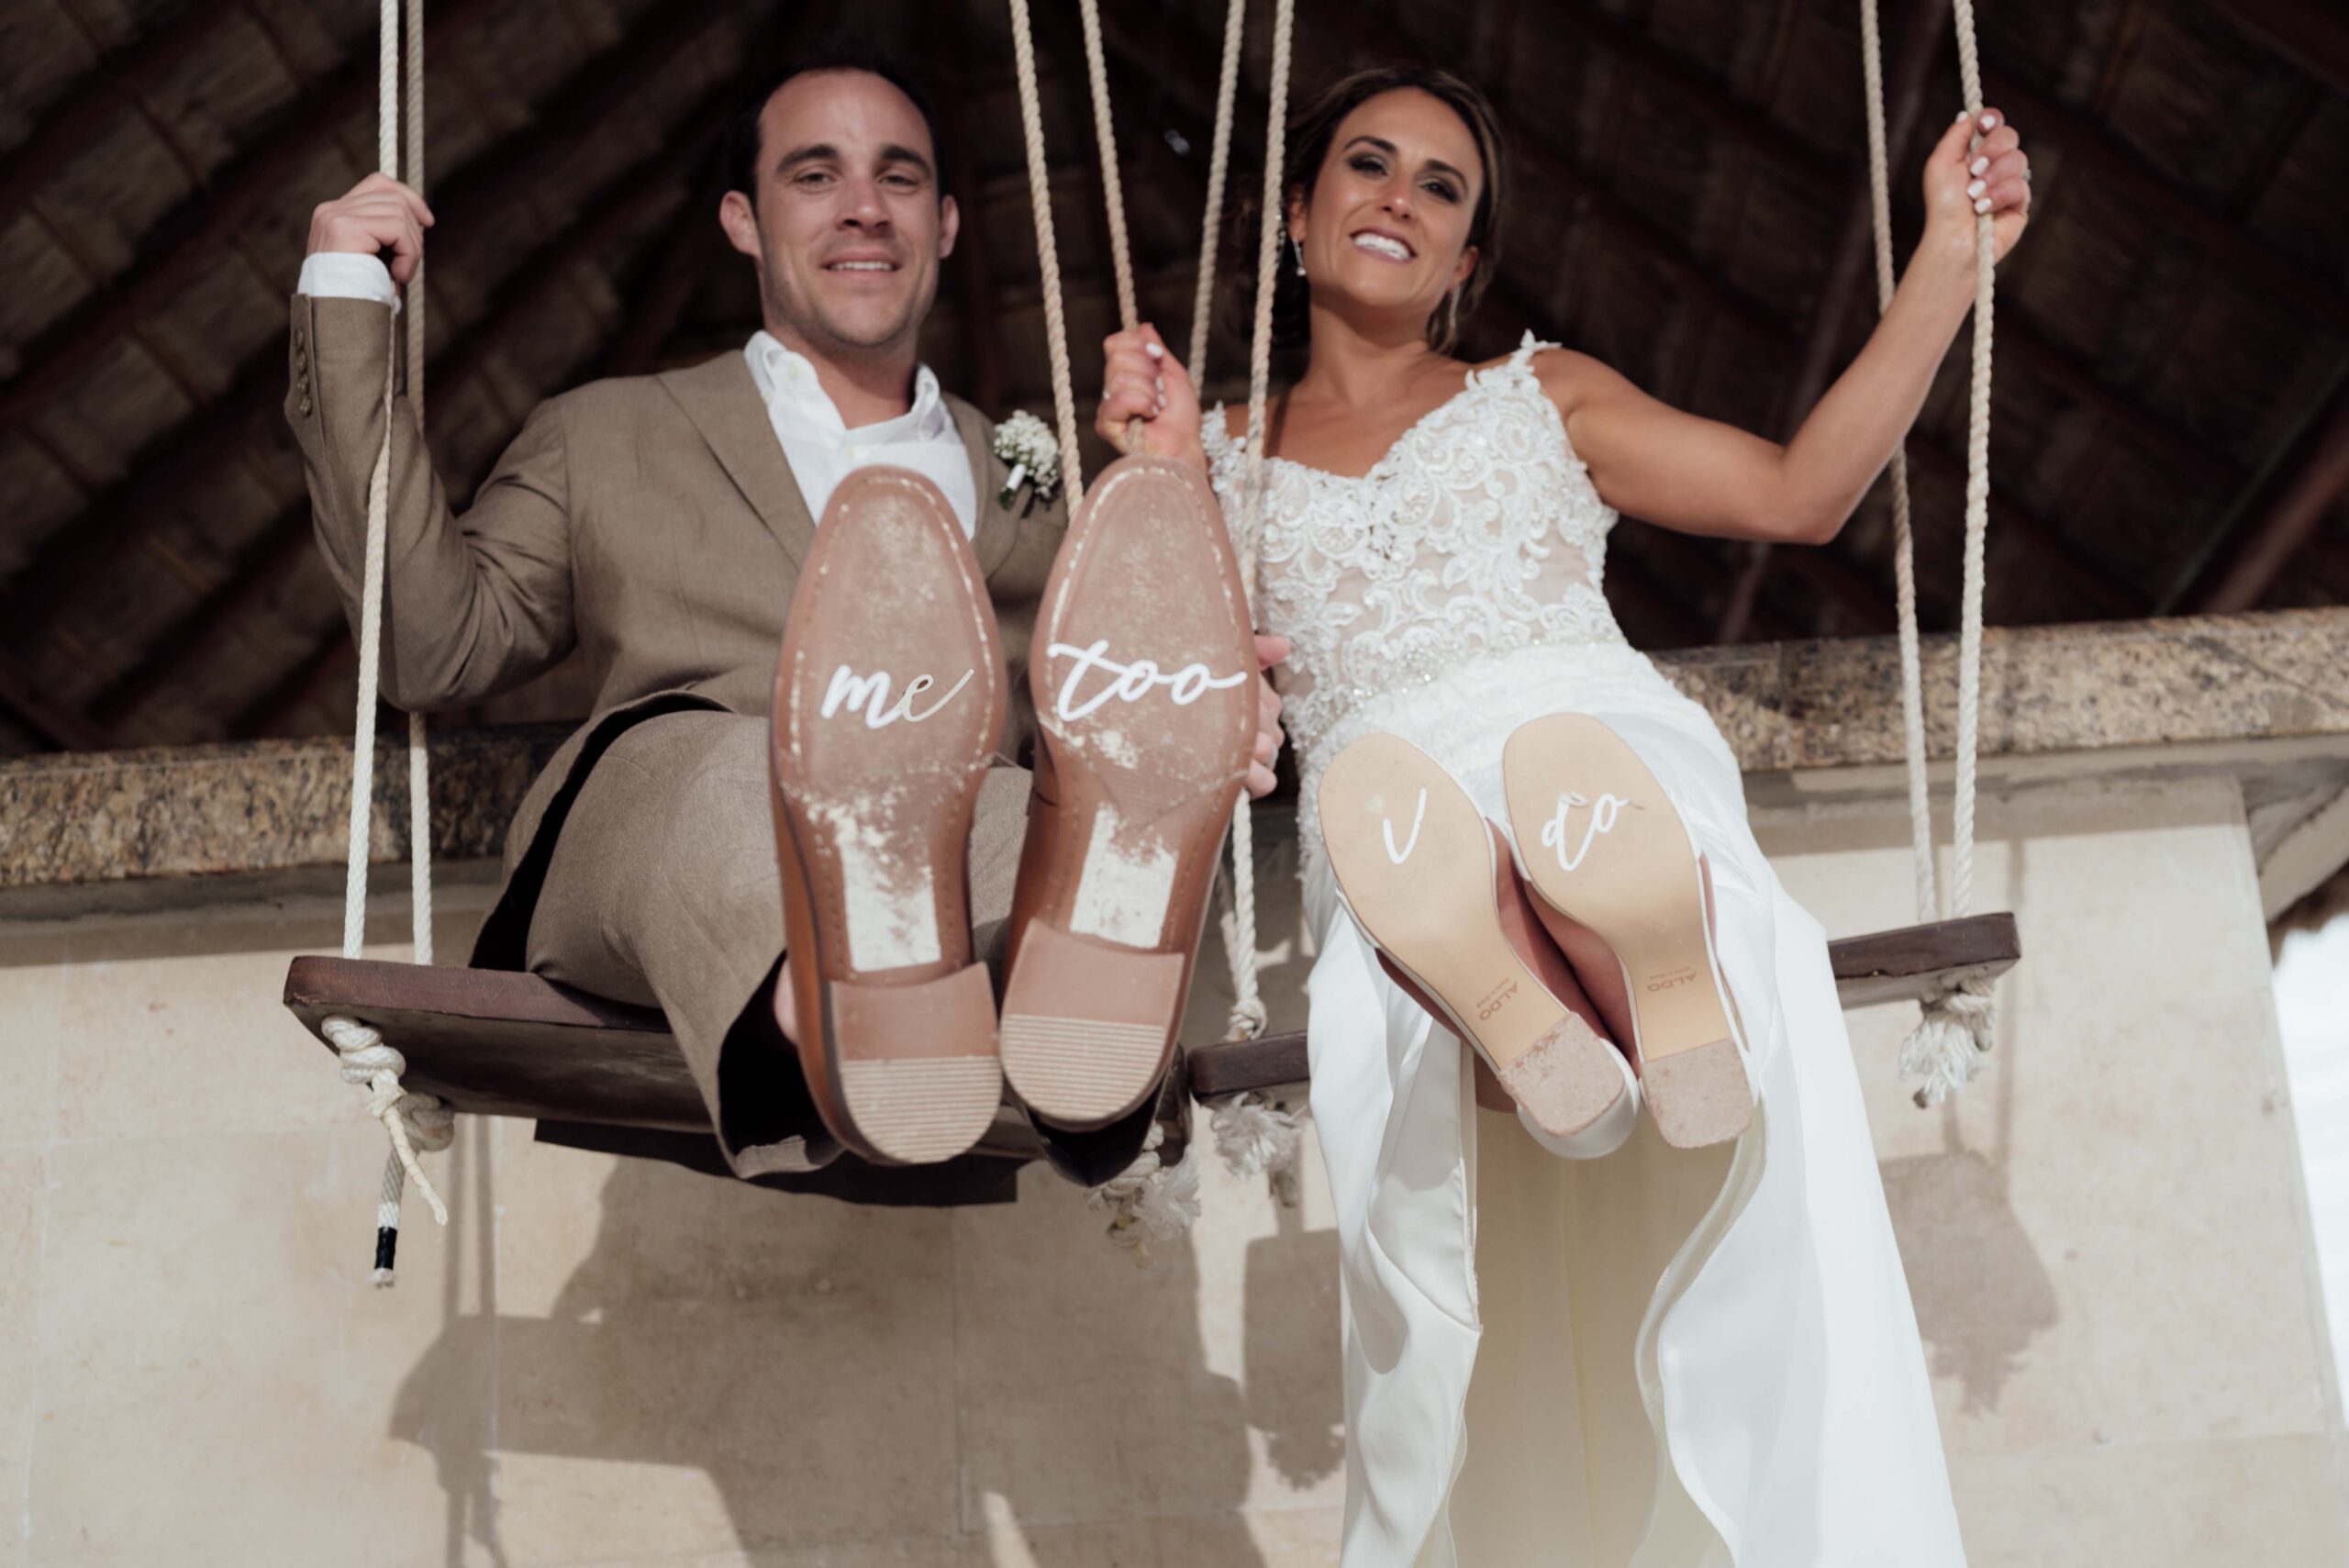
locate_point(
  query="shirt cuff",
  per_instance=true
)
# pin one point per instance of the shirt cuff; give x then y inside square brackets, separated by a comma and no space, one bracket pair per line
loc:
[345,275]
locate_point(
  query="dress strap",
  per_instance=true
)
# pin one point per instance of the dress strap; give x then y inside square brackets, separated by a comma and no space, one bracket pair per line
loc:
[1527,349]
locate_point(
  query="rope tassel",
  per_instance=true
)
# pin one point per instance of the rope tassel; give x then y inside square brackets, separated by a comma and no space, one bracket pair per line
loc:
[1949,1042]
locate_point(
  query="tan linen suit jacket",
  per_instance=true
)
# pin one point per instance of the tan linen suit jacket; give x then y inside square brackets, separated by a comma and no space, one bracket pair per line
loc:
[651,523]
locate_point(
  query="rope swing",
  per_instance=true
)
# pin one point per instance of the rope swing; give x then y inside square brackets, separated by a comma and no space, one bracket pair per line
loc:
[1255,1132]
[1150,1201]
[414,1122]
[1958,1022]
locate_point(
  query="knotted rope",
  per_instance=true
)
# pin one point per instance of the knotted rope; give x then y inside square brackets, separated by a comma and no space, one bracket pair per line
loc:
[414,1122]
[1958,1022]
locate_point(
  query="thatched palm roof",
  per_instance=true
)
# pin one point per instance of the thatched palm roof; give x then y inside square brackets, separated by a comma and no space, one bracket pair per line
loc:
[2172,422]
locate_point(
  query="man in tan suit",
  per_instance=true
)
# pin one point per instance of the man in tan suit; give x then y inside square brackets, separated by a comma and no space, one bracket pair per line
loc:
[655,528]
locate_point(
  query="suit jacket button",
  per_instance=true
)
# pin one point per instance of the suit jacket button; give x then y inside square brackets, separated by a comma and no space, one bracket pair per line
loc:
[298,339]
[306,402]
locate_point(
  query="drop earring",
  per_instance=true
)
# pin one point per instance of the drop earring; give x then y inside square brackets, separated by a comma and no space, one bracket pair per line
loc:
[1298,246]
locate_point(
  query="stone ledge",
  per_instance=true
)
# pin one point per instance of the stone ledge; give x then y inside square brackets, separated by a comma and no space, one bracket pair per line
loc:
[81,826]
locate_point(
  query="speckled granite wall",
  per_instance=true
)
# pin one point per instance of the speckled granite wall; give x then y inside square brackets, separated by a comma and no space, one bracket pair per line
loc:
[83,820]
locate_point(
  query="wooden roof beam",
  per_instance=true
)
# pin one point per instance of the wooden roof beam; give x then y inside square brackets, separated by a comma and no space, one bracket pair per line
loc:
[2311,34]
[192,237]
[91,106]
[2089,578]
[194,234]
[53,722]
[1713,99]
[669,284]
[2244,255]
[2316,477]
[334,662]
[94,539]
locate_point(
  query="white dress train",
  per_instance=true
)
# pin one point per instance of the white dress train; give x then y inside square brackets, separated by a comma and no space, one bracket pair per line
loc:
[1688,1357]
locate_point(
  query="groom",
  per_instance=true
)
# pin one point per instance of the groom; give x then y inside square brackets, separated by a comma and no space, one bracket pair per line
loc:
[656,528]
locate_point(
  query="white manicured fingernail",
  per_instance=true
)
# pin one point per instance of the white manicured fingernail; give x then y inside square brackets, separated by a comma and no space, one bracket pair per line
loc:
[1977,188]
[1960,114]
[1982,206]
[1977,166]
[1153,351]
[1989,122]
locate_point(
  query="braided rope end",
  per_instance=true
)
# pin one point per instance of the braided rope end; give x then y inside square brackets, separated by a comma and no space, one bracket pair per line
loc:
[411,1121]
[1149,1201]
[1255,1133]
[1951,1036]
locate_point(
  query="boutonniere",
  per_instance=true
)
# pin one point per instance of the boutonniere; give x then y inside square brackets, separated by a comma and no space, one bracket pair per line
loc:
[1025,443]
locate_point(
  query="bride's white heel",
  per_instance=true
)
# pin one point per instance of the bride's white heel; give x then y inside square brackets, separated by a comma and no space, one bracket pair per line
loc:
[1600,840]
[1416,867]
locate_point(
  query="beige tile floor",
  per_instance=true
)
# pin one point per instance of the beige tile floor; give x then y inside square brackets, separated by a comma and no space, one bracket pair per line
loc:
[601,1362]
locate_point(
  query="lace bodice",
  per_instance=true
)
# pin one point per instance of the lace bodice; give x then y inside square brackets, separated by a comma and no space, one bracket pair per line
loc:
[1477,533]
[1473,549]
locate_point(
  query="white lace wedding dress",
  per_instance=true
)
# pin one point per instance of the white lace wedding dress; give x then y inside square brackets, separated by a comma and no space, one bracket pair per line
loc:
[1687,1357]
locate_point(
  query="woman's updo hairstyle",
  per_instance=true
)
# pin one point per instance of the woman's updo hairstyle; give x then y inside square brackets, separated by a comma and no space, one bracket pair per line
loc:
[1311,133]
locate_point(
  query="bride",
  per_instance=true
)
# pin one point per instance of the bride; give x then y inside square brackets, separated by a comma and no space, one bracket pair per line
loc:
[1573,1333]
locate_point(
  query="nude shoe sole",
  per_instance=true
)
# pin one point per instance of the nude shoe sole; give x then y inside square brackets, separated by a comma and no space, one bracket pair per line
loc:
[1416,869]
[889,696]
[1145,677]
[1599,841]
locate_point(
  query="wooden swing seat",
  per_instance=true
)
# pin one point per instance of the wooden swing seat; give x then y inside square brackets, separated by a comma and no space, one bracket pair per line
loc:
[499,1043]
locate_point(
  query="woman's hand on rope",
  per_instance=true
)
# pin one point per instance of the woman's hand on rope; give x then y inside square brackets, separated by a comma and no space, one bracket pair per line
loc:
[1961,183]
[1144,381]
[1270,651]
[376,214]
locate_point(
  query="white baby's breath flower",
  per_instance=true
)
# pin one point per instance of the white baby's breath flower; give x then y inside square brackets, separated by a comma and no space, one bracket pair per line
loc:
[1025,443]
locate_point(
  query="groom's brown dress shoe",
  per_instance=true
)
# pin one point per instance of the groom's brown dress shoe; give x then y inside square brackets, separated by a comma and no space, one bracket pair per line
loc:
[889,697]
[1145,677]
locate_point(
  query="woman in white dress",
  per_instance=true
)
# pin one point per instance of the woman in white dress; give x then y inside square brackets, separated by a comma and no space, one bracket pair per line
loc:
[1576,1334]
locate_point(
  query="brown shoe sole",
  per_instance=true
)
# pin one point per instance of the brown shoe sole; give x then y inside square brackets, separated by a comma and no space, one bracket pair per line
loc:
[1144,675]
[1601,842]
[889,698]
[1416,868]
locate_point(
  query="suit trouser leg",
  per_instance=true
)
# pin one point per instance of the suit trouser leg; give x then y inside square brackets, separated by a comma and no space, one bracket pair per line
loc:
[662,891]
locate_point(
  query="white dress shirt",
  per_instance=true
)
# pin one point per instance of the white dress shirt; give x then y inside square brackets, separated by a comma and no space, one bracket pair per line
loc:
[822,450]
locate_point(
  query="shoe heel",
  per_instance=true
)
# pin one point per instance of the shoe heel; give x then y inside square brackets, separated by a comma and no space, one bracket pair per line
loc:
[1087,1025]
[1600,842]
[915,1067]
